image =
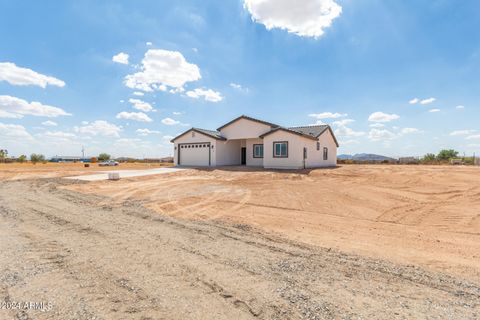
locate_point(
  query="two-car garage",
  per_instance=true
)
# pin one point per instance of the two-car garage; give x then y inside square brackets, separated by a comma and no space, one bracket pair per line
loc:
[194,154]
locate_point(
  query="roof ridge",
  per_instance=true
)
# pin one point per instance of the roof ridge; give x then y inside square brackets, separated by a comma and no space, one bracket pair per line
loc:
[310,125]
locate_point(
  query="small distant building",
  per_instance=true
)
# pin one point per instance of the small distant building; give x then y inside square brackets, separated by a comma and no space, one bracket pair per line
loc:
[408,160]
[72,159]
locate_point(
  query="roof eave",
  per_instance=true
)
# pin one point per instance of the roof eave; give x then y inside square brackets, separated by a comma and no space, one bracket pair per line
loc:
[201,132]
[289,131]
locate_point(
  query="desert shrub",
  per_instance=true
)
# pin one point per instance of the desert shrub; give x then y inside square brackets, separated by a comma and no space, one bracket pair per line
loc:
[429,157]
[37,158]
[103,157]
[22,158]
[447,154]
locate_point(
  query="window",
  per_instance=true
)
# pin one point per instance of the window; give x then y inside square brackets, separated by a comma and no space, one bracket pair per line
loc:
[318,146]
[258,150]
[325,153]
[280,149]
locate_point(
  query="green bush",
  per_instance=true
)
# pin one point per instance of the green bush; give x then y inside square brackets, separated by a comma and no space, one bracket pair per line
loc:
[37,158]
[103,157]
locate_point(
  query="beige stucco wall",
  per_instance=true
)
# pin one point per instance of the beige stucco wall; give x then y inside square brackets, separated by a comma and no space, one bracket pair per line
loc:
[187,138]
[228,152]
[295,150]
[326,140]
[296,144]
[244,129]
[251,161]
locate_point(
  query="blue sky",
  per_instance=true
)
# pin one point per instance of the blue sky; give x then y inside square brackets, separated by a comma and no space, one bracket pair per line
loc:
[391,77]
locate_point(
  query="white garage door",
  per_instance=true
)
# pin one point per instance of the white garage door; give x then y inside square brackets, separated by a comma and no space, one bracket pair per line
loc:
[194,154]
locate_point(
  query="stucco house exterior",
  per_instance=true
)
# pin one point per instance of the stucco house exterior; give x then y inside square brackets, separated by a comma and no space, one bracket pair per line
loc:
[252,142]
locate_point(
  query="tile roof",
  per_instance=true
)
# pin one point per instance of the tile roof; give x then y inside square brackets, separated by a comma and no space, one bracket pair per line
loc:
[314,130]
[210,133]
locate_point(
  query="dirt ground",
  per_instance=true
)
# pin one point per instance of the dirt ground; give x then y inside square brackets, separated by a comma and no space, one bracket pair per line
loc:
[356,242]
[423,215]
[85,257]
[17,171]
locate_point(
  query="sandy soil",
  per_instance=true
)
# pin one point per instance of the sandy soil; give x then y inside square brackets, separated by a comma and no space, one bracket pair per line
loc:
[93,257]
[17,171]
[427,216]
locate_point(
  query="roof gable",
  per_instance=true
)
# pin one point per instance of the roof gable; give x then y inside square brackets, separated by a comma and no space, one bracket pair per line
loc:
[248,118]
[310,132]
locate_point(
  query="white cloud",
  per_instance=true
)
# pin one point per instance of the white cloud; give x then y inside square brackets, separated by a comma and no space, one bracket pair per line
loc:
[342,122]
[347,142]
[376,125]
[473,137]
[348,132]
[209,95]
[49,123]
[161,69]
[131,143]
[24,77]
[380,134]
[5,114]
[170,121]
[146,132]
[434,110]
[460,107]
[382,117]
[238,87]
[306,18]
[138,93]
[177,113]
[409,130]
[99,127]
[414,101]
[343,130]
[136,116]
[427,101]
[327,115]
[122,58]
[13,131]
[461,132]
[58,134]
[167,138]
[141,105]
[148,43]
[12,107]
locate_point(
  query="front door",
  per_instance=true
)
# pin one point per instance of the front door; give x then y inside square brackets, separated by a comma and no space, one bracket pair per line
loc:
[244,156]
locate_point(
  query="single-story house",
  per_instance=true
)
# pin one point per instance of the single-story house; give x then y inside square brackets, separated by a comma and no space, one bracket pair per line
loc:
[252,142]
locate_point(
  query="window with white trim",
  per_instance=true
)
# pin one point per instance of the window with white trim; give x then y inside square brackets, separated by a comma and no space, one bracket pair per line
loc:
[258,150]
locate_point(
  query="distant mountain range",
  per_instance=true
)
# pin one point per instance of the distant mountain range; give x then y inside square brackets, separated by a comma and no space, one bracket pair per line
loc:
[364,157]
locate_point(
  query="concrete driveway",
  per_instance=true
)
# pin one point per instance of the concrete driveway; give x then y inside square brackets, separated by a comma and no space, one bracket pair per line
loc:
[103,175]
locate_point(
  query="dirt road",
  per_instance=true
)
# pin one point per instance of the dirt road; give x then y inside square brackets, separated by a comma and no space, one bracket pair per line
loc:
[94,259]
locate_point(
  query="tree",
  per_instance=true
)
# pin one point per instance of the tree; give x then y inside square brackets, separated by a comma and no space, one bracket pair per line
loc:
[22,158]
[429,157]
[447,154]
[37,158]
[3,153]
[103,157]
